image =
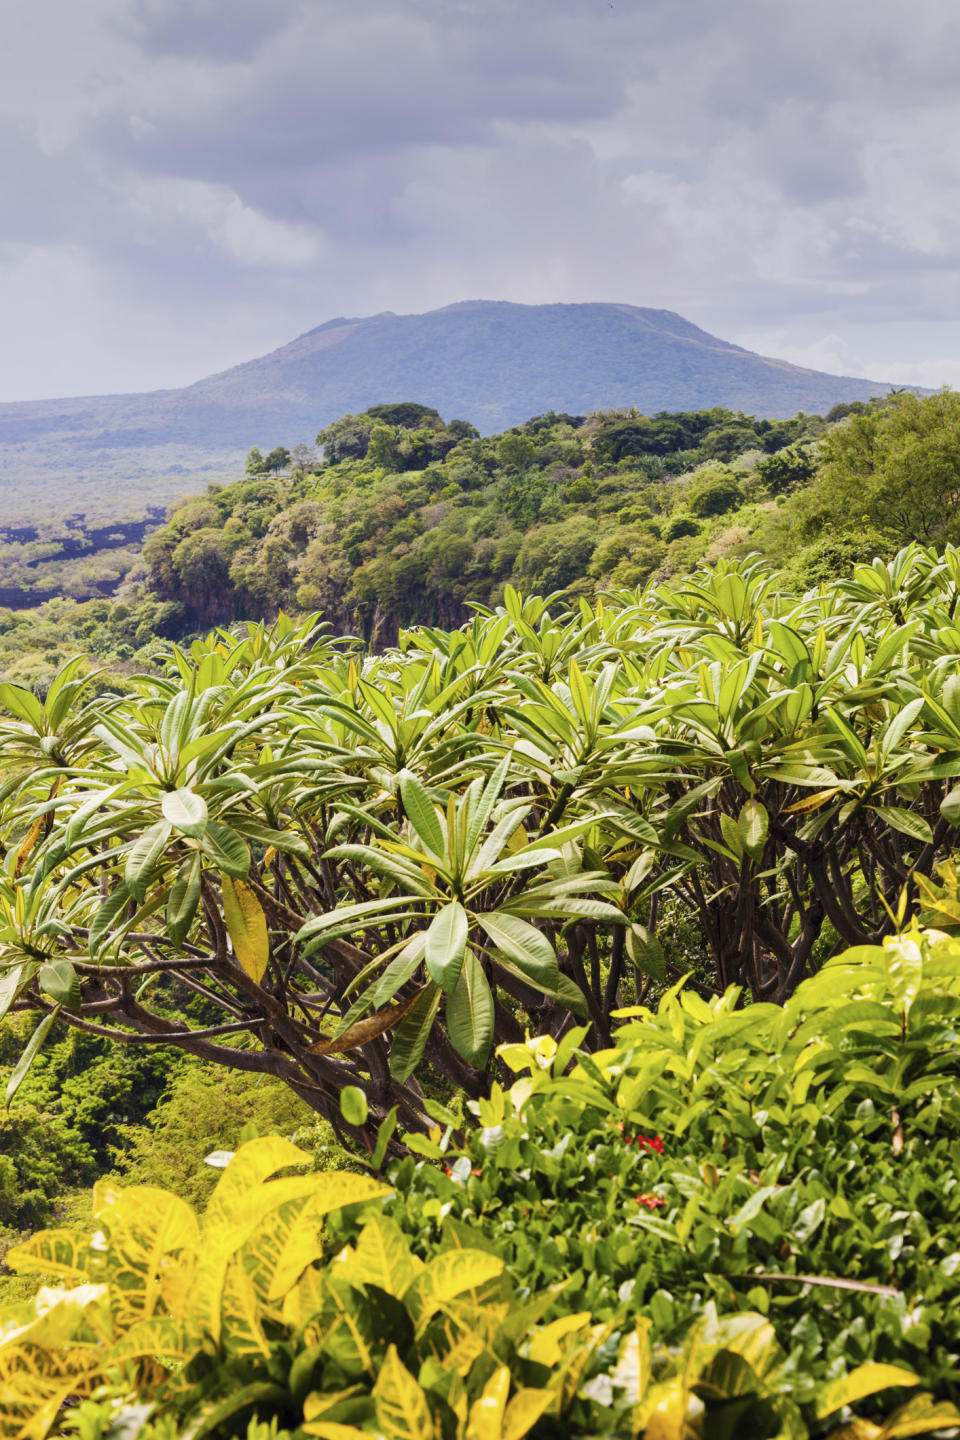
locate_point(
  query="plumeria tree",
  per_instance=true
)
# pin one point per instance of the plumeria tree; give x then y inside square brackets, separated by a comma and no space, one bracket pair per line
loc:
[288,856]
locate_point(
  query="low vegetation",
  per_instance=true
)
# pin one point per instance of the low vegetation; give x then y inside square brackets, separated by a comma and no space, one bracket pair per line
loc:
[631,1246]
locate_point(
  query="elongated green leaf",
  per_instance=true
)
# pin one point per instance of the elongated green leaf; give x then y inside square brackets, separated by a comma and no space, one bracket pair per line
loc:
[58,980]
[22,1067]
[108,917]
[182,903]
[754,826]
[906,822]
[446,939]
[411,1035]
[142,858]
[950,806]
[483,809]
[346,918]
[22,703]
[186,811]
[646,952]
[420,812]
[900,724]
[733,839]
[287,841]
[470,1013]
[228,850]
[524,944]
[12,981]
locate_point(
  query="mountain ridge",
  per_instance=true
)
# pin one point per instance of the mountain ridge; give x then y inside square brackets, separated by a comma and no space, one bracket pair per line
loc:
[494,363]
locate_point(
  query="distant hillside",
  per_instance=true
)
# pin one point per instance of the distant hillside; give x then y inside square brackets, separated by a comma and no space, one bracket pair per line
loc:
[489,362]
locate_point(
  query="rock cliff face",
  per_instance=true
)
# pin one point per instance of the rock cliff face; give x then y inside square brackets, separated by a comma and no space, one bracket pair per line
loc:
[489,362]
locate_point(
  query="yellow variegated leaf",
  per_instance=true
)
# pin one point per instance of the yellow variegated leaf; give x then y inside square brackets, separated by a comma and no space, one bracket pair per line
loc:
[859,1383]
[633,1371]
[545,1347]
[663,1415]
[356,1327]
[748,1335]
[486,1413]
[32,1402]
[401,1406]
[300,1245]
[456,1347]
[382,1257]
[920,1416]
[253,1163]
[146,1225]
[320,1403]
[247,927]
[61,1254]
[161,1336]
[56,1318]
[446,1276]
[578,1353]
[240,1314]
[304,1301]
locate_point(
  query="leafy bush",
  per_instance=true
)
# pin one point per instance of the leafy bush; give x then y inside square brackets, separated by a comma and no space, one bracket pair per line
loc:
[240,1320]
[801,1162]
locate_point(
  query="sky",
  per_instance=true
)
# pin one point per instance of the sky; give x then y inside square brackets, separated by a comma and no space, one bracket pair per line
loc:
[189,183]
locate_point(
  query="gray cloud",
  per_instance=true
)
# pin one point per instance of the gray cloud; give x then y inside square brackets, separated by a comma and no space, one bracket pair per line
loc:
[189,182]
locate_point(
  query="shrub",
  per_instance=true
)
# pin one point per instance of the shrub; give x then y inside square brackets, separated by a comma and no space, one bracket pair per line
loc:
[238,1321]
[629,1248]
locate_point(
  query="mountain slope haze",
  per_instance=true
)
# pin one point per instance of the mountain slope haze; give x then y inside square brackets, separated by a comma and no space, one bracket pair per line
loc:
[490,362]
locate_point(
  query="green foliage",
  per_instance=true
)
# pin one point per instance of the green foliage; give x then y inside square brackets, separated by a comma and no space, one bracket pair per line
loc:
[895,469]
[411,519]
[628,1248]
[800,1161]
[358,866]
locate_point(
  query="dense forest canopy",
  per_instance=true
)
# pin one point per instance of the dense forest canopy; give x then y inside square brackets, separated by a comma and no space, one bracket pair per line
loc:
[399,517]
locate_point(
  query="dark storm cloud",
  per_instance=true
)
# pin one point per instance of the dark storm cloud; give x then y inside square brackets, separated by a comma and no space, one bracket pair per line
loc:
[214,176]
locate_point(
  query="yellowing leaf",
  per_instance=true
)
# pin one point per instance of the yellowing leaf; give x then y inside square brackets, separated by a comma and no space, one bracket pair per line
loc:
[812,802]
[486,1413]
[246,926]
[523,1412]
[859,1383]
[545,1347]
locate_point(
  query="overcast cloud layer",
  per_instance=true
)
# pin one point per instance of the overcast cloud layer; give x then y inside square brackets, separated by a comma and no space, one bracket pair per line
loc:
[189,183]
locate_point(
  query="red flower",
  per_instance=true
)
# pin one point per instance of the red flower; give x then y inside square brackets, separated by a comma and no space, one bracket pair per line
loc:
[656,1144]
[650,1201]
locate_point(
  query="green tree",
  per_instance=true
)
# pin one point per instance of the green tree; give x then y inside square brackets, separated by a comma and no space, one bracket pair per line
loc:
[895,468]
[382,447]
[516,451]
